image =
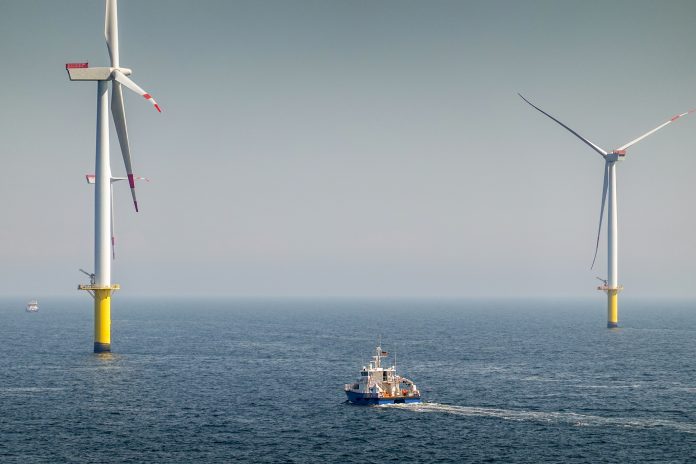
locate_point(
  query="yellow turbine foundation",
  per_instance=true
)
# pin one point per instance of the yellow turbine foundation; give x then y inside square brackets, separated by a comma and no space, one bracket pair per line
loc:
[612,308]
[612,304]
[102,320]
[102,315]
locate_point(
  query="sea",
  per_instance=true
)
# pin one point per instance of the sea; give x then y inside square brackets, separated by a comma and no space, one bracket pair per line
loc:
[261,381]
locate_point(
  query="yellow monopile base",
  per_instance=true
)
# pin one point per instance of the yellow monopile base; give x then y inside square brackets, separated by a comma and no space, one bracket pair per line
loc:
[102,314]
[102,320]
[612,308]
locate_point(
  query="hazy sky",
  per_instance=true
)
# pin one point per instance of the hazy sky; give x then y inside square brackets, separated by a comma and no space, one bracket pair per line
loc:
[353,148]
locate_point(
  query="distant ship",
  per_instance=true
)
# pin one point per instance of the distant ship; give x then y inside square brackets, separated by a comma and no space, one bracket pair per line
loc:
[33,306]
[381,385]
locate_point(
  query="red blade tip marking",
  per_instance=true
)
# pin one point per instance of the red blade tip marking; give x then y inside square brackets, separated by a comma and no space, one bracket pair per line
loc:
[131,181]
[158,107]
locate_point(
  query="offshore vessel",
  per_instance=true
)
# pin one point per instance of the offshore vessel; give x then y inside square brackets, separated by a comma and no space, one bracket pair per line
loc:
[381,385]
[33,306]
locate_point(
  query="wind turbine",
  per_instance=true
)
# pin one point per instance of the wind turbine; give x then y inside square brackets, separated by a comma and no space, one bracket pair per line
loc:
[101,287]
[611,285]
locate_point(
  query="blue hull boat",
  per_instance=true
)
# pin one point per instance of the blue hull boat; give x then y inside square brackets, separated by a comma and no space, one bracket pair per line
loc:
[381,385]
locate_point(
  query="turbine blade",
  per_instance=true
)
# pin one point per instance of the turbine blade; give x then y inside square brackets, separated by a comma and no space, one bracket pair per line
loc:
[601,211]
[119,114]
[111,31]
[120,77]
[674,118]
[599,150]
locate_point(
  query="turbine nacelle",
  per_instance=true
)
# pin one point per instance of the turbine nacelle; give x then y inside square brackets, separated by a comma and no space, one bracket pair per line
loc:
[82,72]
[616,155]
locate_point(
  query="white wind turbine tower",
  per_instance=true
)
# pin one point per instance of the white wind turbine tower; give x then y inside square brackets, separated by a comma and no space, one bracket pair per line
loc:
[101,287]
[611,285]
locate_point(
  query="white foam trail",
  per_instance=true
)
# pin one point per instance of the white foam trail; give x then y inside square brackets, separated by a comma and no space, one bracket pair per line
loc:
[30,389]
[579,420]
[14,391]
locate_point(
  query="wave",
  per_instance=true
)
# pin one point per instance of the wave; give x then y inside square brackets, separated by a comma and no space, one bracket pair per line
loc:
[571,418]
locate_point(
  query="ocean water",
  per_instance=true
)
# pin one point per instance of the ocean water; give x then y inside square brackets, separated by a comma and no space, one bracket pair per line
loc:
[261,381]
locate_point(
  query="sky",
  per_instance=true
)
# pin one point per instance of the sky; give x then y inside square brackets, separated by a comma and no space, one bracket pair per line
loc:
[353,148]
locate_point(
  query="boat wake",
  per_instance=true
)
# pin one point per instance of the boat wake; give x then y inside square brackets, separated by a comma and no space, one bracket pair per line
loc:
[14,391]
[570,418]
